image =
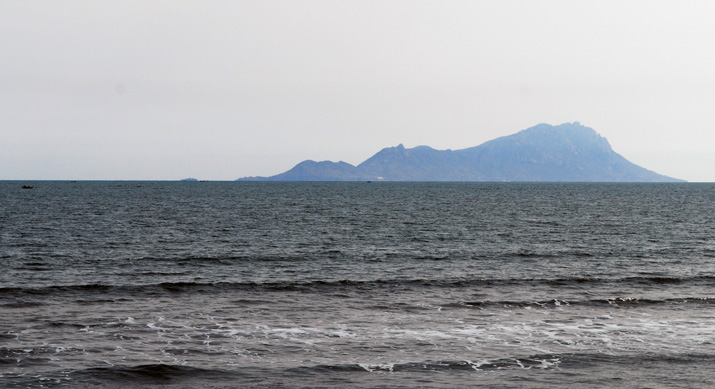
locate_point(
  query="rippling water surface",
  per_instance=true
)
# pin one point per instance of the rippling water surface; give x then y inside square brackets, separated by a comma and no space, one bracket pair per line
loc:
[357,284]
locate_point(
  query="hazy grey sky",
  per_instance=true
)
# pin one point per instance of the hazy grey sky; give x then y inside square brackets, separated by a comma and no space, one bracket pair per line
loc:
[224,89]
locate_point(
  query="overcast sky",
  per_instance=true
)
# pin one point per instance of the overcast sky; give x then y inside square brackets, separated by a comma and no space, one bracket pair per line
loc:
[220,90]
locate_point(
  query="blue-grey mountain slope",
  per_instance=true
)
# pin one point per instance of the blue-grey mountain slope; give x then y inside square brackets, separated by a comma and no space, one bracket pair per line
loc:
[569,152]
[316,171]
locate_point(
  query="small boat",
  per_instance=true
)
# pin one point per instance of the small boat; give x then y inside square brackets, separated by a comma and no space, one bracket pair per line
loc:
[28,187]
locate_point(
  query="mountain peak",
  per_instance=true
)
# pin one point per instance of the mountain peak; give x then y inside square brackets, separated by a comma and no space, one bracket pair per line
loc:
[561,129]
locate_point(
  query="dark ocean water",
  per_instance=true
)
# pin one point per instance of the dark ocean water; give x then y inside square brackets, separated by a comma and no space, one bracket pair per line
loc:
[127,284]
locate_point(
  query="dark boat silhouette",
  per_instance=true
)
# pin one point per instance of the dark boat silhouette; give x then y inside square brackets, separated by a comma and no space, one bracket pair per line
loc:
[28,187]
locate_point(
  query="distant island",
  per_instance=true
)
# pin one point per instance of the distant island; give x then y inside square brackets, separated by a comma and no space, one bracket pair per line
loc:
[569,152]
[190,180]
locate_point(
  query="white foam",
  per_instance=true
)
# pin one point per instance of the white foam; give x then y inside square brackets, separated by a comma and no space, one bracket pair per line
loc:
[389,367]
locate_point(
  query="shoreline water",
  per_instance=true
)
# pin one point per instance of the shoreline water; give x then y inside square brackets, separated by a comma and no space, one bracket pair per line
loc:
[357,285]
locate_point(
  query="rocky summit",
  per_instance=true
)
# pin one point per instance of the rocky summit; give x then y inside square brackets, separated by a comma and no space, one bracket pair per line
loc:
[569,152]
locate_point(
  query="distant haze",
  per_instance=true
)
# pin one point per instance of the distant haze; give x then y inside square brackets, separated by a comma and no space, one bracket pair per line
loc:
[227,89]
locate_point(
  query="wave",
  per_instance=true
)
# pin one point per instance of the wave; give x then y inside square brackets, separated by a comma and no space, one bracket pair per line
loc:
[329,253]
[419,373]
[228,260]
[148,374]
[616,301]
[121,376]
[327,286]
[535,362]
[165,374]
[162,372]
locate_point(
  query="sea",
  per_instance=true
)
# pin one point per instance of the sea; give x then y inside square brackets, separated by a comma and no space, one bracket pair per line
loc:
[363,284]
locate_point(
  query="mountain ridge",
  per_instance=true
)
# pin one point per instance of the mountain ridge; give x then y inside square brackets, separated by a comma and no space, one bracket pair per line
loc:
[568,152]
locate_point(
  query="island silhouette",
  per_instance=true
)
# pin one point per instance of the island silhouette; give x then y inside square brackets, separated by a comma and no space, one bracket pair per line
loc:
[569,152]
